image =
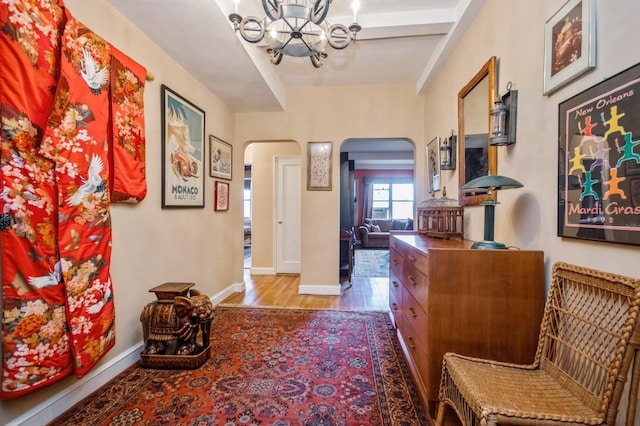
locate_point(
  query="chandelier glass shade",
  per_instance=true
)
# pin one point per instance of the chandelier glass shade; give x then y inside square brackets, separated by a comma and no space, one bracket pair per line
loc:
[296,28]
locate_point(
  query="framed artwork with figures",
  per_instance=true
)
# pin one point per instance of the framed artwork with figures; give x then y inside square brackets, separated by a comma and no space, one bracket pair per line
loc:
[599,161]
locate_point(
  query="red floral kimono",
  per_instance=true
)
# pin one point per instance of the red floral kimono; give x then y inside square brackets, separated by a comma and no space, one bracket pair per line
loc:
[64,99]
[35,339]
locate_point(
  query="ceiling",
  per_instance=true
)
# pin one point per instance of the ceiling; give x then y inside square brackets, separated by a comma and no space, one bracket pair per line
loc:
[401,42]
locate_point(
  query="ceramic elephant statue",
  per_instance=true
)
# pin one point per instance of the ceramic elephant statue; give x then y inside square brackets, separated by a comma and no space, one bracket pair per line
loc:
[174,326]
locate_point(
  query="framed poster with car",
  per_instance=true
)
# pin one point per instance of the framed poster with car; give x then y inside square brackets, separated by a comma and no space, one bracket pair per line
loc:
[182,151]
[599,161]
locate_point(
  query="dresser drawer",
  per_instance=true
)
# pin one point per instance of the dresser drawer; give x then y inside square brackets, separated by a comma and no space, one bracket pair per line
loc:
[414,316]
[415,282]
[395,261]
[415,343]
[417,260]
[395,298]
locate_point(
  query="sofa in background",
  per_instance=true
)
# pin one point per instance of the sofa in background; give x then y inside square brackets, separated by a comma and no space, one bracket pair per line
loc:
[374,233]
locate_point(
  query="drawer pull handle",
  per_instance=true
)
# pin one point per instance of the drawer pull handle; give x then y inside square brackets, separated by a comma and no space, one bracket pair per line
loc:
[395,306]
[412,344]
[395,284]
[413,281]
[413,313]
[411,258]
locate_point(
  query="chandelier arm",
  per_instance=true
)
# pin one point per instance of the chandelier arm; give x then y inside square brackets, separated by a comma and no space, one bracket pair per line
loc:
[272,8]
[257,28]
[339,36]
[319,11]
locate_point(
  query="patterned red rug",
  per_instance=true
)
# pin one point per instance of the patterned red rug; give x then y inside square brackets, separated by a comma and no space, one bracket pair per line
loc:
[271,366]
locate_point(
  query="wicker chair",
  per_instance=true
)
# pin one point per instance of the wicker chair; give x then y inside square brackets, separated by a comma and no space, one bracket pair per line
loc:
[580,366]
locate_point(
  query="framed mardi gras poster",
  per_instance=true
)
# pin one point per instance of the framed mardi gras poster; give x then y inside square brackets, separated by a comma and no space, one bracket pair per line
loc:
[599,161]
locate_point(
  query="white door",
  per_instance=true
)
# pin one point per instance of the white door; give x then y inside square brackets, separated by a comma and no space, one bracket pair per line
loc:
[287,227]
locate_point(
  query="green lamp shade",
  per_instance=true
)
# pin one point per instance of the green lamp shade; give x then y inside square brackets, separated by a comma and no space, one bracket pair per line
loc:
[490,183]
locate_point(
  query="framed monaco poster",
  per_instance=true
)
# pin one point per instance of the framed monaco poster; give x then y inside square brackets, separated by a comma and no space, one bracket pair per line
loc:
[182,151]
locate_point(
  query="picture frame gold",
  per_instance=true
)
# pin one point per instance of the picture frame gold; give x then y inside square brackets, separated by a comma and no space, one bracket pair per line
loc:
[569,44]
[320,157]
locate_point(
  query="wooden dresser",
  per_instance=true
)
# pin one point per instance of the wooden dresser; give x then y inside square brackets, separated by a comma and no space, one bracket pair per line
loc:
[446,297]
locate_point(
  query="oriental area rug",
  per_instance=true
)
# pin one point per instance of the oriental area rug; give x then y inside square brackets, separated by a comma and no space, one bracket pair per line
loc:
[371,263]
[269,366]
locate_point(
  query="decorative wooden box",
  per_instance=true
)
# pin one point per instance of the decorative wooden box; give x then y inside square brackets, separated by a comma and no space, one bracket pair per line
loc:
[441,218]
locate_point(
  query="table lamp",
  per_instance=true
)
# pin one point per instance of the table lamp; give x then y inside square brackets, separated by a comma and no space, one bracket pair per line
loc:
[488,184]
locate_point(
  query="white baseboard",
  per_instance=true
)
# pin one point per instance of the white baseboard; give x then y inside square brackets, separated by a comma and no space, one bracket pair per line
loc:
[233,288]
[263,271]
[323,290]
[62,401]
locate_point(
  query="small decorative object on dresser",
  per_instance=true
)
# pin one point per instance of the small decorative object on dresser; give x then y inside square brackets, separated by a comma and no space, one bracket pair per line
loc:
[441,218]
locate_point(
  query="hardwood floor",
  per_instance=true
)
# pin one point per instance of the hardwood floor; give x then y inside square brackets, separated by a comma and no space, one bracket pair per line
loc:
[364,294]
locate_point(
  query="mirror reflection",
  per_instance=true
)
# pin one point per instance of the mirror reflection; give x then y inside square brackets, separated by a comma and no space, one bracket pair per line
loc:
[476,157]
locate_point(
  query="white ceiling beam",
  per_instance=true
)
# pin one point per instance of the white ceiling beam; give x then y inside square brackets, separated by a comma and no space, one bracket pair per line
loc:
[466,13]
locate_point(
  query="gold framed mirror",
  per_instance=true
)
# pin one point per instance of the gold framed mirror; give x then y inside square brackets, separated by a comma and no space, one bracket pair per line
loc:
[476,157]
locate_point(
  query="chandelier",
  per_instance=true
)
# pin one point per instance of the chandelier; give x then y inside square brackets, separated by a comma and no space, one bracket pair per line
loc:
[296,28]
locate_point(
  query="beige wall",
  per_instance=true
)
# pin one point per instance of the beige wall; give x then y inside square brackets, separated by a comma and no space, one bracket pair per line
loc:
[513,31]
[262,181]
[334,114]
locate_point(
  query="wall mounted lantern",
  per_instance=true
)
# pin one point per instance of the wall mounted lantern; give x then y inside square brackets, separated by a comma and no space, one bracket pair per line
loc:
[503,118]
[448,153]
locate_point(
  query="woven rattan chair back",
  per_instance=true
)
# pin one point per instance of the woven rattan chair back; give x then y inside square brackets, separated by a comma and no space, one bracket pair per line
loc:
[588,320]
[583,349]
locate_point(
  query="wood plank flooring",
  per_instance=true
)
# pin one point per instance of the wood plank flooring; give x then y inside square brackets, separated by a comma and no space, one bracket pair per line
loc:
[364,294]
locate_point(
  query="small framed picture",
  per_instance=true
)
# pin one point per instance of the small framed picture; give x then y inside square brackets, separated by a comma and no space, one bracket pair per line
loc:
[433,165]
[221,156]
[221,196]
[319,170]
[569,43]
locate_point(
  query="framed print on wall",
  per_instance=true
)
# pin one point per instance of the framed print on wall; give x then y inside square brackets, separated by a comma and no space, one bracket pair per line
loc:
[569,43]
[221,160]
[433,165]
[182,151]
[221,196]
[599,161]
[319,170]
